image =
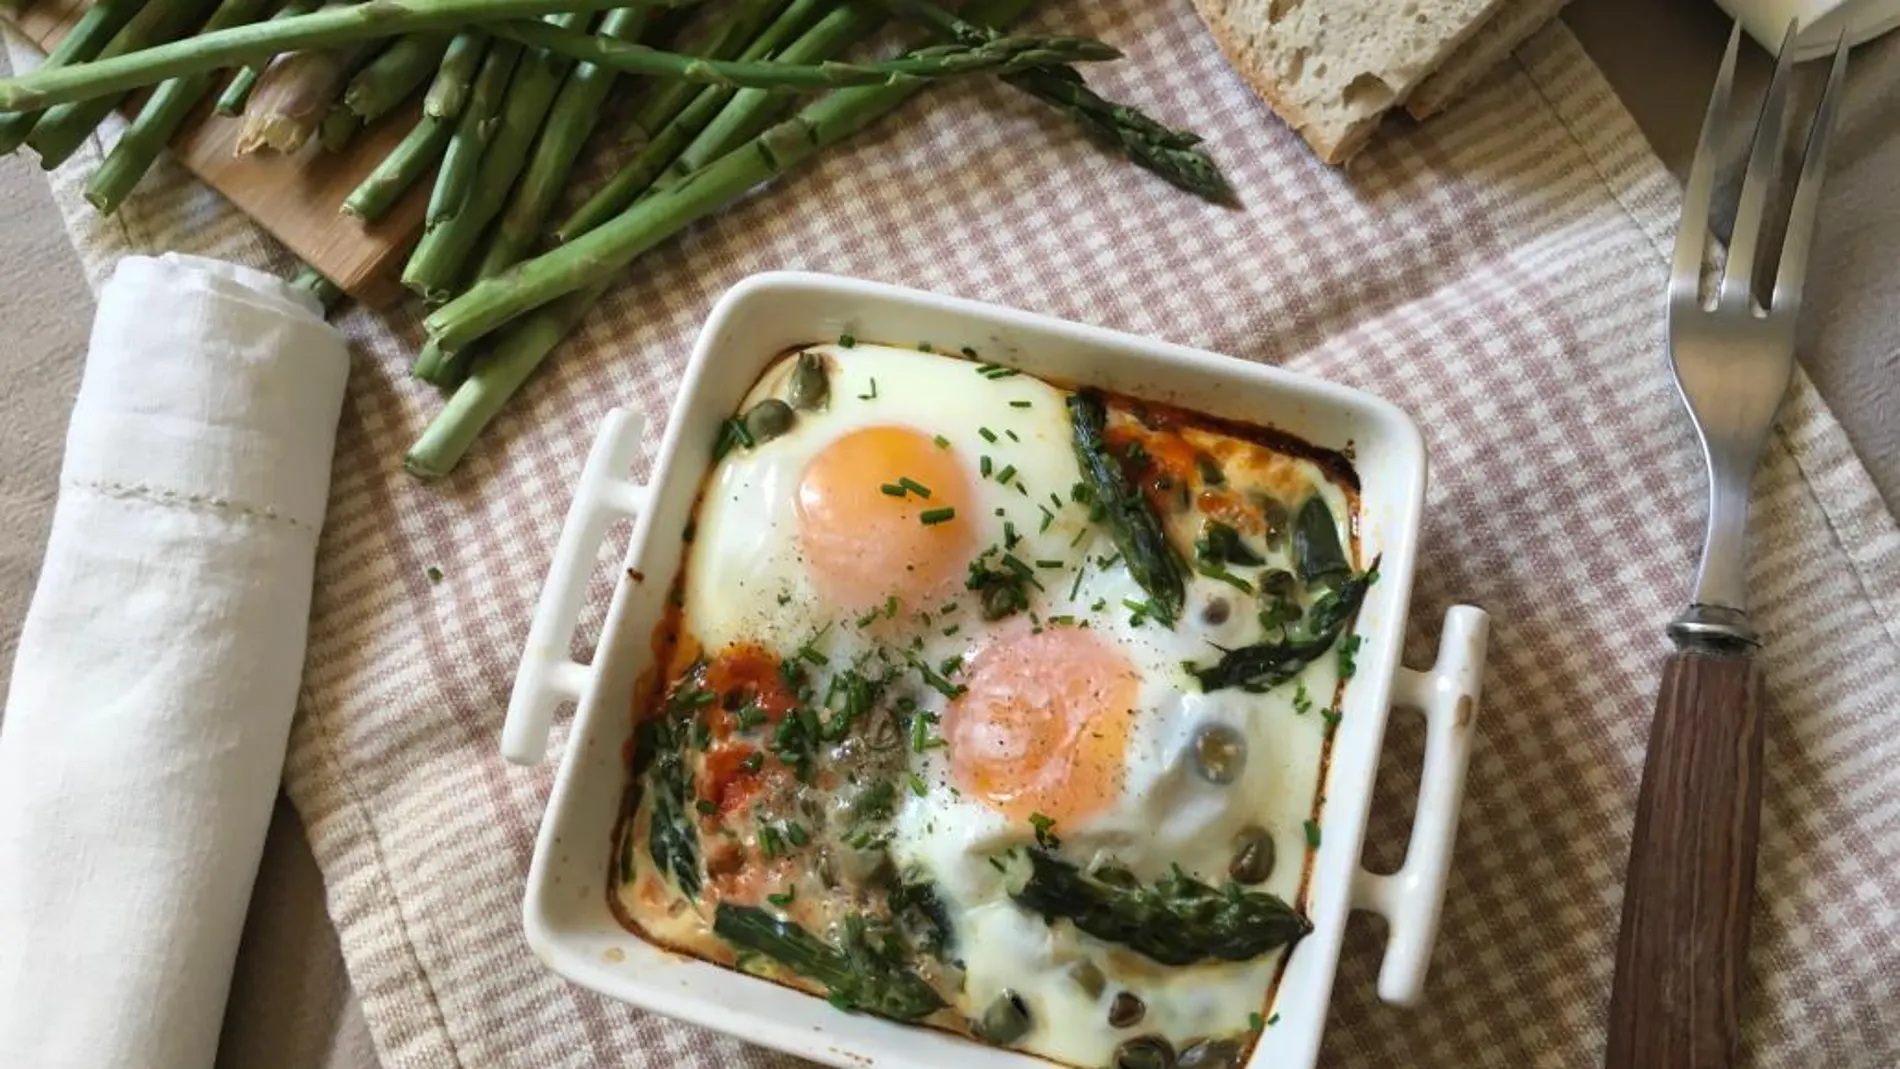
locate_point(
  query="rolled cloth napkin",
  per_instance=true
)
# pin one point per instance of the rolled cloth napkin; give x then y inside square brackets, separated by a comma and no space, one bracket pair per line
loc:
[1497,271]
[157,671]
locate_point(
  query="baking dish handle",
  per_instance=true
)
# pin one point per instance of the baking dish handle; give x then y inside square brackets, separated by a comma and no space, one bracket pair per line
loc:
[1412,898]
[548,676]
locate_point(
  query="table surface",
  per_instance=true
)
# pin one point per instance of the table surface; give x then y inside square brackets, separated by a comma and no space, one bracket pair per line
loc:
[291,1005]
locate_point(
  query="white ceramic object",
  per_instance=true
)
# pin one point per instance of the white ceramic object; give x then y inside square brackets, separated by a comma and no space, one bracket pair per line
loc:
[565,909]
[1824,23]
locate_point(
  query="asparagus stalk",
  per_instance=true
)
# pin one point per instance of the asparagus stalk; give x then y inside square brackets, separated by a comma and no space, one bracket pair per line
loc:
[1151,559]
[445,250]
[160,119]
[328,293]
[569,124]
[389,78]
[709,103]
[293,98]
[80,44]
[520,349]
[725,39]
[448,93]
[400,170]
[329,28]
[752,110]
[238,93]
[64,128]
[474,127]
[1001,56]
[338,128]
[1167,152]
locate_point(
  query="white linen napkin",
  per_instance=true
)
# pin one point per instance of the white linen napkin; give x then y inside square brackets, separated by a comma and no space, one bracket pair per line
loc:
[158,668]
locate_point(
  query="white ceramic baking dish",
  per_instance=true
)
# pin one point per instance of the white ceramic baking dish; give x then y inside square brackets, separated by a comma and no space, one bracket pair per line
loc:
[565,908]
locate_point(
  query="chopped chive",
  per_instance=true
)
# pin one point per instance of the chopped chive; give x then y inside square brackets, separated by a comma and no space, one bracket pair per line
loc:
[1100,604]
[942,442]
[1109,561]
[1076,588]
[1065,620]
[1008,473]
[1080,534]
[952,629]
[1010,537]
[796,833]
[984,467]
[1273,1020]
[890,607]
[891,490]
[1302,700]
[848,341]
[866,620]
[1312,834]
[917,785]
[1023,490]
[997,864]
[1011,434]
[785,898]
[872,396]
[1055,499]
[1019,404]
[999,372]
[914,487]
[812,656]
[1047,519]
[1015,564]
[1046,562]
[932,517]
[986,434]
[434,573]
[1215,571]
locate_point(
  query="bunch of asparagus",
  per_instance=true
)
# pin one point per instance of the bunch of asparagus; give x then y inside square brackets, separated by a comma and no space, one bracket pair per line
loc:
[512,94]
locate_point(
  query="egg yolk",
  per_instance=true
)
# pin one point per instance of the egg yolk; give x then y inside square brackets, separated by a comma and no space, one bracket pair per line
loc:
[1042,726]
[866,527]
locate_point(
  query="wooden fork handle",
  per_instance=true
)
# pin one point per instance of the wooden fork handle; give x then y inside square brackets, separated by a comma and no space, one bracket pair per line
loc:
[1683,949]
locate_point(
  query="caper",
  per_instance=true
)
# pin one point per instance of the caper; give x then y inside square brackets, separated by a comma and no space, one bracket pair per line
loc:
[1145,1052]
[1006,1020]
[1210,1054]
[809,387]
[1278,582]
[1126,1009]
[1216,611]
[768,419]
[1219,753]
[1277,518]
[1087,976]
[1253,855]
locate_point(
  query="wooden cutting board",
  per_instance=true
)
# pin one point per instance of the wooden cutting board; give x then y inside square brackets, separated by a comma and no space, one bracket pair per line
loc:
[297,198]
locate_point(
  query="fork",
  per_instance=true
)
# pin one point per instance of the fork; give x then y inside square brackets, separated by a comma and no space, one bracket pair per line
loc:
[1682,952]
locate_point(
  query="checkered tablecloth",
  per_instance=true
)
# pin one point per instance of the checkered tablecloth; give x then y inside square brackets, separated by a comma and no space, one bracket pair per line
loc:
[1497,272]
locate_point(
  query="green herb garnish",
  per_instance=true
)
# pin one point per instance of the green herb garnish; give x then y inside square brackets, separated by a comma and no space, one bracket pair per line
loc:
[932,517]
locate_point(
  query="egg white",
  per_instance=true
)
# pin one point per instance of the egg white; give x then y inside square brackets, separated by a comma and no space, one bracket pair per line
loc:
[746,583]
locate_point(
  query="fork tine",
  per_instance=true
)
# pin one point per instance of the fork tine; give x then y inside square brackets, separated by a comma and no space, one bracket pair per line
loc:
[1763,160]
[1685,279]
[1793,271]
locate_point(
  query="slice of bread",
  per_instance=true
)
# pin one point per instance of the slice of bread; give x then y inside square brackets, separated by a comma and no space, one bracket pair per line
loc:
[1332,68]
[1496,39]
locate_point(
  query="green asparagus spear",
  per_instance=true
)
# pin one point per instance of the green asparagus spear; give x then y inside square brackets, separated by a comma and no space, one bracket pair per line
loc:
[727,38]
[1151,559]
[160,119]
[338,128]
[474,127]
[752,110]
[1001,56]
[328,293]
[1167,152]
[80,44]
[389,78]
[64,128]
[238,93]
[448,93]
[1176,921]
[707,106]
[569,123]
[443,255]
[329,28]
[520,349]
[868,973]
[400,170]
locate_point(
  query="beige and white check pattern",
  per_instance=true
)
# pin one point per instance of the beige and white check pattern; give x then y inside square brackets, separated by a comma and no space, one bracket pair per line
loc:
[1497,272]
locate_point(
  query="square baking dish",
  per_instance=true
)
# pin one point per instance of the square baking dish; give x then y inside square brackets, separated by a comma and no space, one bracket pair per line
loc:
[565,909]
